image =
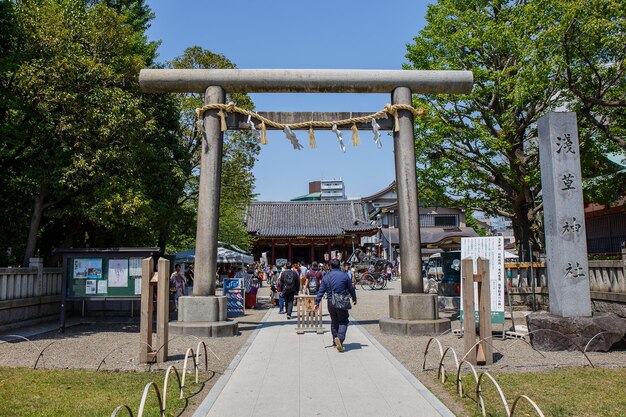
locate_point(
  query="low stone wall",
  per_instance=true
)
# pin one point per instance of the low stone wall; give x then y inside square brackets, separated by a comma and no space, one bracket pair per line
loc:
[607,276]
[29,294]
[607,282]
[522,298]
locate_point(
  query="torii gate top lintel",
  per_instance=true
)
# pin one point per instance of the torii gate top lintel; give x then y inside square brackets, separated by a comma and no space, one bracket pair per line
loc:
[304,80]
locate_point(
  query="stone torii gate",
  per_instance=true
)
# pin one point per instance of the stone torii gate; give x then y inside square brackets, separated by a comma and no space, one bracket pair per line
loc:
[204,314]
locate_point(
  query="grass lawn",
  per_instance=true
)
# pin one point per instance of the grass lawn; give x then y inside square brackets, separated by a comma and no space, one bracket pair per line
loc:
[567,392]
[28,392]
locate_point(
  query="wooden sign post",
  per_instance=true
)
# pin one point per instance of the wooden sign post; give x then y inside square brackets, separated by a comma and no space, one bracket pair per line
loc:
[163,309]
[146,351]
[149,353]
[483,353]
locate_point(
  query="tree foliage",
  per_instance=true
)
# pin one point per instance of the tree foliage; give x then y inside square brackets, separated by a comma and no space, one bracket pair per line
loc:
[239,156]
[87,159]
[593,36]
[479,150]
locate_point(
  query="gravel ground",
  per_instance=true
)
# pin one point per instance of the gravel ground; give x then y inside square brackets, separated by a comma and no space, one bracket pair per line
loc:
[86,345]
[510,355]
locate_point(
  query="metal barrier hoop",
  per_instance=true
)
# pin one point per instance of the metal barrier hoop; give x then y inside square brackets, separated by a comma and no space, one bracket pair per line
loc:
[575,344]
[195,364]
[17,336]
[41,355]
[459,383]
[441,372]
[531,402]
[119,407]
[119,346]
[180,386]
[526,341]
[484,339]
[479,394]
[206,357]
[590,340]
[426,350]
[144,396]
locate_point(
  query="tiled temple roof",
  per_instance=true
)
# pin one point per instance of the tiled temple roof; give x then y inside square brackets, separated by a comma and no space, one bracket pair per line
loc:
[307,218]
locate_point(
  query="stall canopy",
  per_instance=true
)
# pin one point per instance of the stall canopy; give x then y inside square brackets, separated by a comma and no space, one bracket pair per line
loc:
[224,256]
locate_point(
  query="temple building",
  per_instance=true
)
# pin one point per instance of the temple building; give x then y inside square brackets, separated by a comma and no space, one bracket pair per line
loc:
[307,231]
[314,230]
[606,227]
[441,228]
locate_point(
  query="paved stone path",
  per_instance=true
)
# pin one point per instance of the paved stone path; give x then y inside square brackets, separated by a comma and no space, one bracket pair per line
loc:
[285,374]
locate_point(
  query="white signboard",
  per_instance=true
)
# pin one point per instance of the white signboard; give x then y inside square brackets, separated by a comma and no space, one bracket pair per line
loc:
[135,267]
[90,286]
[118,273]
[491,248]
[102,286]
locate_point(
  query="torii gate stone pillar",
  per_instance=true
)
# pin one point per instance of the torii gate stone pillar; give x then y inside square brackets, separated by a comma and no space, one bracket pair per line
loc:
[204,313]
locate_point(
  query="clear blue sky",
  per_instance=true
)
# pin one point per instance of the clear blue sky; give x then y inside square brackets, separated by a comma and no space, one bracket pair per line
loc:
[309,34]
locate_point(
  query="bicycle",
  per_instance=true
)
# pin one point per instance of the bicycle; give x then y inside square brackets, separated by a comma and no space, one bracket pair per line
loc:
[373,280]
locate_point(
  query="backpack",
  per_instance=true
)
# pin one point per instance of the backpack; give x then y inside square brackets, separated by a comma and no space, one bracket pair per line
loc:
[289,281]
[314,284]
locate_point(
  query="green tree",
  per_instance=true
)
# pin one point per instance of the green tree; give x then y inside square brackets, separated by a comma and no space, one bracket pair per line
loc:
[95,159]
[239,156]
[13,210]
[479,150]
[593,36]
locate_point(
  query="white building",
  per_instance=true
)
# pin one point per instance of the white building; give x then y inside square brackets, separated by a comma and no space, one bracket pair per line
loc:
[329,190]
[441,228]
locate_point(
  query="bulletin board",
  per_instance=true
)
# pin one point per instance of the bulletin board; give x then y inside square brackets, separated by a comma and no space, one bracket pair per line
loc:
[104,273]
[103,277]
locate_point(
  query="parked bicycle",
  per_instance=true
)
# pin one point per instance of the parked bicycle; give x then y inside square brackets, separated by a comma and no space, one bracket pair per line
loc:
[369,271]
[372,280]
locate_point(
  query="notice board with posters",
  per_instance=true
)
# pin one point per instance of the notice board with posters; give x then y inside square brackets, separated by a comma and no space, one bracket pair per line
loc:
[103,273]
[491,248]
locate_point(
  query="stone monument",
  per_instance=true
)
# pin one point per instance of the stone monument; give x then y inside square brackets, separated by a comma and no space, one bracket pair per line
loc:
[570,324]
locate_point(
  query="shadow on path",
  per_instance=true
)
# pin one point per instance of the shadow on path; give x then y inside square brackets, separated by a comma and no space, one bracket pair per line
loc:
[353,346]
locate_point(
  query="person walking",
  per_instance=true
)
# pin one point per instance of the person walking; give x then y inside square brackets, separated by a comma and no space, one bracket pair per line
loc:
[338,286]
[313,278]
[347,267]
[289,282]
[189,276]
[303,276]
[177,281]
[281,297]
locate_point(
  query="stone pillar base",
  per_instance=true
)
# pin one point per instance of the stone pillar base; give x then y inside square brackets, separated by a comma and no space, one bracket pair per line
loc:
[413,315]
[226,328]
[203,316]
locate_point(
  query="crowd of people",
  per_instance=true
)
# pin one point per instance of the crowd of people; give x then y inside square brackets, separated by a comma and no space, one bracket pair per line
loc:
[332,278]
[286,281]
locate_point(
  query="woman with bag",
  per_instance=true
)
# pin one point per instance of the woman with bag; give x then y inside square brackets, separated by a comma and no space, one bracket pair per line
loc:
[338,286]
